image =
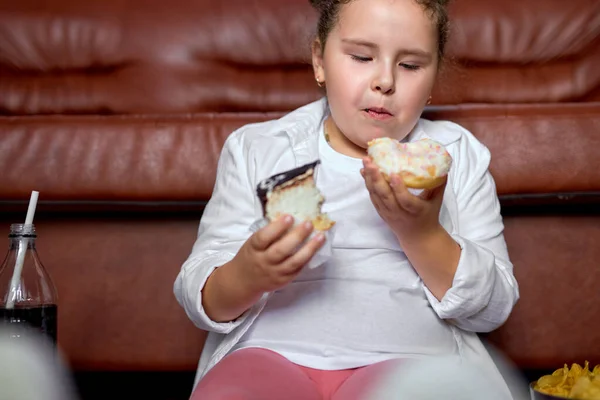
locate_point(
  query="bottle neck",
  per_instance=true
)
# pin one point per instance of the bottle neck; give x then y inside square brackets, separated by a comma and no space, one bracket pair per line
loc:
[22,234]
[14,242]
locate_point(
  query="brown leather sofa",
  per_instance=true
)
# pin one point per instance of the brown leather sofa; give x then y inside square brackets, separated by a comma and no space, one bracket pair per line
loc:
[116,112]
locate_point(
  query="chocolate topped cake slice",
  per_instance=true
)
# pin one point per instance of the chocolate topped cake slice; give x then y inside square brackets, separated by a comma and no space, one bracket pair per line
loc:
[294,192]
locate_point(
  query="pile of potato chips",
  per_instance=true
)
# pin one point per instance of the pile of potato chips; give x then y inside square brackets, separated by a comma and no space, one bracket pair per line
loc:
[579,382]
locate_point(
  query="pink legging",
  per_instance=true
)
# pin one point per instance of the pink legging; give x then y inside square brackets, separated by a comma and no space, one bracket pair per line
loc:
[258,374]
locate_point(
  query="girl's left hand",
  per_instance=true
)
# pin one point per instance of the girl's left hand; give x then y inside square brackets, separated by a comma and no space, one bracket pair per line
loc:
[410,217]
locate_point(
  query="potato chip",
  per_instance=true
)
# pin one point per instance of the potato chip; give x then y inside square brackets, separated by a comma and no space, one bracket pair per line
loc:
[576,382]
[550,380]
[586,389]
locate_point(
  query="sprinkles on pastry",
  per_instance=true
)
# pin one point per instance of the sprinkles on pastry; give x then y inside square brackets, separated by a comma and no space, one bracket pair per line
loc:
[422,164]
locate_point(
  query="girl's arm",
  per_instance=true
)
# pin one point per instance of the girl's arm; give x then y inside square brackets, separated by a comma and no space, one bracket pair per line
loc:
[435,256]
[224,227]
[225,297]
[484,289]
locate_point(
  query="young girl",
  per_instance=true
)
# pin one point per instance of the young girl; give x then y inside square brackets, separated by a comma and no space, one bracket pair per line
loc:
[410,277]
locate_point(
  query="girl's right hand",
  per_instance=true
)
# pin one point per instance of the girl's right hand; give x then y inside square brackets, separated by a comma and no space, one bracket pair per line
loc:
[271,257]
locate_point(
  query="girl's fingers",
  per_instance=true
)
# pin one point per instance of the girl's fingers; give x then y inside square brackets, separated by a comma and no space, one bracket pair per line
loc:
[296,262]
[405,199]
[266,236]
[381,193]
[287,245]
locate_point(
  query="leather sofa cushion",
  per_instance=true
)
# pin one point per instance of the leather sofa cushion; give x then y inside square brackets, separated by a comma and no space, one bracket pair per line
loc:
[115,274]
[535,150]
[112,56]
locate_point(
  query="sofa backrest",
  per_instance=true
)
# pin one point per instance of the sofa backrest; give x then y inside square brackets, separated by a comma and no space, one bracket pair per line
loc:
[181,56]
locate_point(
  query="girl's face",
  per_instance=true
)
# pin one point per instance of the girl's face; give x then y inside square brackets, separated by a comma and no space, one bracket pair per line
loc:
[379,66]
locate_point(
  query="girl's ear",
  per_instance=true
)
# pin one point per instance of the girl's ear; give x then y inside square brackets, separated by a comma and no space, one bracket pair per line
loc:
[317,61]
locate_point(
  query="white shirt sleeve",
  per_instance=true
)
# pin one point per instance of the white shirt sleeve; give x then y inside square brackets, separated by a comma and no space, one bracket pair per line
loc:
[224,227]
[484,290]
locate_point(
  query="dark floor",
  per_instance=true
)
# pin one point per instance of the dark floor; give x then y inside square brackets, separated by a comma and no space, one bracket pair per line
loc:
[160,385]
[134,385]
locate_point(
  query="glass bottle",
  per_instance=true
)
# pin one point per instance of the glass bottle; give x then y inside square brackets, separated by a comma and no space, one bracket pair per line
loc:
[28,298]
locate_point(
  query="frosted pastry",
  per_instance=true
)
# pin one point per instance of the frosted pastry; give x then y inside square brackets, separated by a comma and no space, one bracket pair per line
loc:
[423,164]
[295,193]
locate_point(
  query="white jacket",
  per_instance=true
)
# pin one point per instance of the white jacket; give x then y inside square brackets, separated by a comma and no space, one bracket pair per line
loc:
[484,289]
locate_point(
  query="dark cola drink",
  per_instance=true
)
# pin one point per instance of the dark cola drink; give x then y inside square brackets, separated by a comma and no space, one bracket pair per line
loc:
[28,299]
[41,319]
